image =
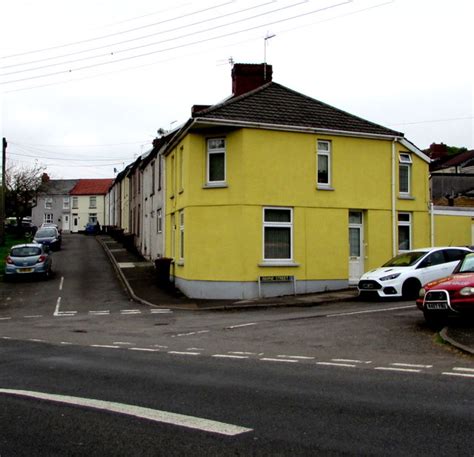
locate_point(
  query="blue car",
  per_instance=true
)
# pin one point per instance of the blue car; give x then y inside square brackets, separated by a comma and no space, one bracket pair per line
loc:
[27,260]
[49,236]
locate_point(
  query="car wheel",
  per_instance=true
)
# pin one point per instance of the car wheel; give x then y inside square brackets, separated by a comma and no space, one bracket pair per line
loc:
[411,289]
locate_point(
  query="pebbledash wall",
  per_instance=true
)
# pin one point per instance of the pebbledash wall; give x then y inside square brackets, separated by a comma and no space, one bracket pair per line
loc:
[216,232]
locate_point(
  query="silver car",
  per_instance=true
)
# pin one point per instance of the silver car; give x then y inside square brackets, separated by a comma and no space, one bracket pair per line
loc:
[28,259]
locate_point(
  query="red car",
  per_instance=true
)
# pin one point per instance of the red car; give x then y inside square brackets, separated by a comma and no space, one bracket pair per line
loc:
[453,295]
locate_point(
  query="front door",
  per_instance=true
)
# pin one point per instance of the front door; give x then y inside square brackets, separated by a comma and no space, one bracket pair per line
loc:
[356,246]
[75,222]
[65,223]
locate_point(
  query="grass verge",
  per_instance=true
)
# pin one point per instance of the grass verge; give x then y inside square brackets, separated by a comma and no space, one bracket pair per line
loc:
[10,240]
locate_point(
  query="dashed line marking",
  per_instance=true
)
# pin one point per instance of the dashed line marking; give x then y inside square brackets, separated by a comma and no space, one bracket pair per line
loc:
[5,318]
[336,364]
[190,333]
[160,311]
[124,343]
[406,370]
[270,359]
[352,361]
[61,283]
[368,311]
[297,357]
[108,346]
[411,365]
[230,356]
[33,317]
[183,353]
[461,375]
[99,313]
[65,342]
[144,349]
[36,340]
[469,370]
[6,338]
[242,353]
[130,311]
[241,325]
[58,303]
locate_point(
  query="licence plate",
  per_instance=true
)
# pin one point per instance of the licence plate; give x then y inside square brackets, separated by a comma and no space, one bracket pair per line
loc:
[438,305]
[25,270]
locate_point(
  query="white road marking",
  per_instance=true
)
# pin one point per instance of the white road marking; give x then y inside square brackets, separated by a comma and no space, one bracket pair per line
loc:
[469,370]
[241,325]
[243,353]
[230,356]
[184,353]
[122,342]
[108,346]
[410,365]
[190,333]
[463,375]
[66,313]
[407,370]
[126,312]
[99,313]
[65,342]
[335,364]
[61,283]
[32,317]
[160,311]
[36,340]
[351,361]
[58,303]
[269,359]
[144,349]
[180,420]
[194,349]
[371,311]
[6,338]
[160,346]
[297,357]
[5,318]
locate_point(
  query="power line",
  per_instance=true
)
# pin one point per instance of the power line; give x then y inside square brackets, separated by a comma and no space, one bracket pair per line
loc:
[435,120]
[80,145]
[161,32]
[86,67]
[115,33]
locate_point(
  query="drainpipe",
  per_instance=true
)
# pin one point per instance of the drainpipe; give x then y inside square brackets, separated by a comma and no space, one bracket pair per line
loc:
[432,235]
[394,212]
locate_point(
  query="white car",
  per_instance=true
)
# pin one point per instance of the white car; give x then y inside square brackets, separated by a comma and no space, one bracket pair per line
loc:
[405,274]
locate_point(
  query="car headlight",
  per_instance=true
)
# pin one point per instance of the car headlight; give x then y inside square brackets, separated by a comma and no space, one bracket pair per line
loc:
[466,291]
[422,292]
[389,277]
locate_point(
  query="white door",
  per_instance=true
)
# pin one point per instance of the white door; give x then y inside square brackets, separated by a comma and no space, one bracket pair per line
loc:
[66,226]
[75,222]
[356,246]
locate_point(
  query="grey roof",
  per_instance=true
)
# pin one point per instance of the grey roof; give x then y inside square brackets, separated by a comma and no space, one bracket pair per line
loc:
[274,104]
[57,186]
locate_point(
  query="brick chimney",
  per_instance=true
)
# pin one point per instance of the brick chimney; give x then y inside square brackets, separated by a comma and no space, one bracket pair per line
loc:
[249,76]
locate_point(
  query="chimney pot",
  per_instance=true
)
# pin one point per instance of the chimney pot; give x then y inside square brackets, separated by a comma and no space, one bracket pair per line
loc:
[247,77]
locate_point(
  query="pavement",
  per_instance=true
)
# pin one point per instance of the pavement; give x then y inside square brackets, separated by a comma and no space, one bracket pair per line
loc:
[139,277]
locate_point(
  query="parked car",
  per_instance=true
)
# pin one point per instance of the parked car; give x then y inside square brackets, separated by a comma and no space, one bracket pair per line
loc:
[50,224]
[404,275]
[453,295]
[92,228]
[48,236]
[28,259]
[25,229]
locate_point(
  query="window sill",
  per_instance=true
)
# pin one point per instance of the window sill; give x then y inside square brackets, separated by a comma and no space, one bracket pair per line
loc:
[324,187]
[282,263]
[215,186]
[180,263]
[405,197]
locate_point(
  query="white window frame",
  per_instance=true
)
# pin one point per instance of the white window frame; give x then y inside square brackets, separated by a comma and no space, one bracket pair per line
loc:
[48,203]
[324,153]
[92,218]
[93,202]
[270,224]
[159,221]
[404,161]
[210,152]
[66,202]
[404,223]
[48,218]
[181,235]
[75,202]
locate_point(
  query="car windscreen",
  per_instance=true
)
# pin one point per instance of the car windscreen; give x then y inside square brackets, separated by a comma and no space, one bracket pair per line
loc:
[45,233]
[25,251]
[467,266]
[407,259]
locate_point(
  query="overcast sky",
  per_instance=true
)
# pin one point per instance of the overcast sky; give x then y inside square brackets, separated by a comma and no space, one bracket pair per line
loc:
[84,86]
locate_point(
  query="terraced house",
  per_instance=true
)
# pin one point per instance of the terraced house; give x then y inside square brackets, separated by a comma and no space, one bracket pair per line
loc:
[272,192]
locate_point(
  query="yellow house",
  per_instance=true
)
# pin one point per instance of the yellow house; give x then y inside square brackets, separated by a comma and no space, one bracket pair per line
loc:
[271,192]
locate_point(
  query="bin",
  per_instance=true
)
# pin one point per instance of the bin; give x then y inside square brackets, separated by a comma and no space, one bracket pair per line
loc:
[163,266]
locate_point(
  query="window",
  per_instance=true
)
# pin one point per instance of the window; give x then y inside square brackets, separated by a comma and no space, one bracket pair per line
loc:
[92,202]
[160,165]
[65,202]
[153,176]
[404,173]
[277,233]
[181,235]
[48,217]
[75,202]
[180,168]
[92,218]
[48,203]
[404,231]
[216,161]
[173,235]
[324,163]
[159,221]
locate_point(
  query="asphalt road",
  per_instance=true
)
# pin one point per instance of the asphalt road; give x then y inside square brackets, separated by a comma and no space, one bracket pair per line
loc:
[100,375]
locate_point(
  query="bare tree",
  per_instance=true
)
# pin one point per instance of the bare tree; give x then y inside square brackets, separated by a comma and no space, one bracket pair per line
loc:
[22,183]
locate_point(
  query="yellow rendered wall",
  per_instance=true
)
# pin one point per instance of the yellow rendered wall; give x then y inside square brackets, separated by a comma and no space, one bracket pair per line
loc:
[224,226]
[452,230]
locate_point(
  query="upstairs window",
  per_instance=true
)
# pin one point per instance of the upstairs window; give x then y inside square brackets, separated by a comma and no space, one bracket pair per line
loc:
[75,202]
[324,163]
[277,234]
[216,158]
[65,202]
[48,203]
[92,202]
[404,173]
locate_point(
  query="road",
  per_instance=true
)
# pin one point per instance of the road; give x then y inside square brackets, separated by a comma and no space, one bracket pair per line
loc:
[100,375]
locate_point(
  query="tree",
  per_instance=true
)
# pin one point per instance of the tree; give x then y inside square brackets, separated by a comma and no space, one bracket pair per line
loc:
[22,183]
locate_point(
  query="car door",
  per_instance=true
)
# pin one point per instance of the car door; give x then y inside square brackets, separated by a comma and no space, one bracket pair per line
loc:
[433,267]
[453,257]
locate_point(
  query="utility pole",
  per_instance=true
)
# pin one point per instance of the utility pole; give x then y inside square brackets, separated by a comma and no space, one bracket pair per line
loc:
[3,192]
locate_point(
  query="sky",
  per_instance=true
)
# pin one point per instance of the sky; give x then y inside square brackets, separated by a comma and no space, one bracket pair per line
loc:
[84,86]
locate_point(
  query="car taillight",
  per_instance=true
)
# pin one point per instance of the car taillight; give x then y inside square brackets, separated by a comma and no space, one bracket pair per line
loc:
[41,258]
[9,260]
